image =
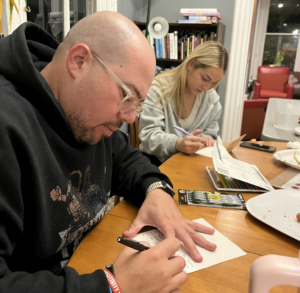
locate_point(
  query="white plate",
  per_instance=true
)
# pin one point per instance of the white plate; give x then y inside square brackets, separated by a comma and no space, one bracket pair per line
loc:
[289,157]
[297,130]
[278,209]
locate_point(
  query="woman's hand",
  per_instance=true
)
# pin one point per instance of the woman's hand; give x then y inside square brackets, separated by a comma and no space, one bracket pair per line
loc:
[191,144]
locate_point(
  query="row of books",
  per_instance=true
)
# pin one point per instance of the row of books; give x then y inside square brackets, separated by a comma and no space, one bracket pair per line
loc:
[173,46]
[195,15]
[199,19]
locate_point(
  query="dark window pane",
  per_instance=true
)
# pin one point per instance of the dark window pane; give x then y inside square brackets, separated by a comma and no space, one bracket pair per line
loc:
[284,16]
[48,14]
[280,51]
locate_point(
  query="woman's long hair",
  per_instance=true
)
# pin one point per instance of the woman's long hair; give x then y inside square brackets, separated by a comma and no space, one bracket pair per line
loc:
[208,54]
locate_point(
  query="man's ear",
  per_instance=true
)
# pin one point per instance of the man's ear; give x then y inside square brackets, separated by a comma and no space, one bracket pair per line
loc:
[79,60]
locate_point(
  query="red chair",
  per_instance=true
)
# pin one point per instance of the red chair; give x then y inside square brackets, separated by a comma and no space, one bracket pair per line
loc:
[272,82]
[253,118]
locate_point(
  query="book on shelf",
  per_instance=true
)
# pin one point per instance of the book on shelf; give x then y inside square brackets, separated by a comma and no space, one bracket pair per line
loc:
[168,45]
[189,21]
[151,42]
[195,43]
[191,45]
[187,47]
[156,48]
[175,45]
[163,40]
[199,10]
[160,48]
[179,45]
[181,49]
[213,19]
[188,15]
[172,46]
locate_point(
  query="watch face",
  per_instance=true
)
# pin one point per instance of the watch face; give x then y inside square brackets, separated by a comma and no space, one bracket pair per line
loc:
[168,188]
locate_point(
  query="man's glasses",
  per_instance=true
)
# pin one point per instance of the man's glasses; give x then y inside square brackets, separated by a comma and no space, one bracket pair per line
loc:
[129,101]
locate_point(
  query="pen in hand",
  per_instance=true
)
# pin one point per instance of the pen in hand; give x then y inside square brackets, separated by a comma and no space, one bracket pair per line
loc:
[185,132]
[132,244]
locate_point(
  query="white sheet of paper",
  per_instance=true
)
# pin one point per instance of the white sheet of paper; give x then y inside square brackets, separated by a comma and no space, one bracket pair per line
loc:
[228,166]
[226,250]
[207,152]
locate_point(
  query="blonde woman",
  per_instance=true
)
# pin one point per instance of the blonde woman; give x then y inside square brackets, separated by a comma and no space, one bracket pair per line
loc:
[184,97]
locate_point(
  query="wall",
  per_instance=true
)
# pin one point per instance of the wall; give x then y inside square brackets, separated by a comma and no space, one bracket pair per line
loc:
[170,10]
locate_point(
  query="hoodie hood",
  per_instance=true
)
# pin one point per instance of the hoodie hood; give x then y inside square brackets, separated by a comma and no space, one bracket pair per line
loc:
[26,52]
[22,56]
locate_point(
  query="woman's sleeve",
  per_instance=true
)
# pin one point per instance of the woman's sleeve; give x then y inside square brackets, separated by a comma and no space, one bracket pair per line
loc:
[154,139]
[212,127]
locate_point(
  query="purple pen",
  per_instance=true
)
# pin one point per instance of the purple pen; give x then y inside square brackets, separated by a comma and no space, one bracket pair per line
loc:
[183,131]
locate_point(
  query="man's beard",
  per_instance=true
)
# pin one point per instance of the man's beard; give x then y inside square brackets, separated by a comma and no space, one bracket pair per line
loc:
[87,134]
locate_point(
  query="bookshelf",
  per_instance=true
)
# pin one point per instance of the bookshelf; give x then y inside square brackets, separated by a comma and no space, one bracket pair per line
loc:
[218,28]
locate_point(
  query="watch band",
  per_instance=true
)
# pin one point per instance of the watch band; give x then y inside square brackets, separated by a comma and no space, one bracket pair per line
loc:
[161,184]
[153,186]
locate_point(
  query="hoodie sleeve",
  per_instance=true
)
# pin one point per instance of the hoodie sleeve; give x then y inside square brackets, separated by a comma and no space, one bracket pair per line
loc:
[12,214]
[132,172]
[154,139]
[212,127]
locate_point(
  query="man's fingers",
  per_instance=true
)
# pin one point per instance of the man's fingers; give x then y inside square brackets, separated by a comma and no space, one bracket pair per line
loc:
[200,227]
[199,239]
[179,280]
[167,230]
[176,291]
[145,243]
[189,244]
[167,247]
[176,265]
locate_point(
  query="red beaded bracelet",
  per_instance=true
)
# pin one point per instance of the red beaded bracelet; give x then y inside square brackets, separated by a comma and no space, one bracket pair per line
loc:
[112,281]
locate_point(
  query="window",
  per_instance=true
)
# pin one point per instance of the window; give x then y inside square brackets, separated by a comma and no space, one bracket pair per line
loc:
[49,13]
[282,36]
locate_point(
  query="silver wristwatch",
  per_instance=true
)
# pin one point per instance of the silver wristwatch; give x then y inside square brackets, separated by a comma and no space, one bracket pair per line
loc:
[161,184]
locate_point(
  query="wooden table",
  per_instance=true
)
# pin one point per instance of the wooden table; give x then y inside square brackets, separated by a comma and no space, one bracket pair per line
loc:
[100,247]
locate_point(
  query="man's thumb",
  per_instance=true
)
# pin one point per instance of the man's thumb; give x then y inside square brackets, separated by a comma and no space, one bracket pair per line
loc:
[133,230]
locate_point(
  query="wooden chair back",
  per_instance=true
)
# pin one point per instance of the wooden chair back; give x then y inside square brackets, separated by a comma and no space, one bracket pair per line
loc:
[134,133]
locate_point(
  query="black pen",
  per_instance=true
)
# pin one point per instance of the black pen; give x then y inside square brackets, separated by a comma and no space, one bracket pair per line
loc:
[132,244]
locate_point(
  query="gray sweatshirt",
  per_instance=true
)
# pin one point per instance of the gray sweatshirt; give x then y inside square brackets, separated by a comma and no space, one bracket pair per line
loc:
[156,127]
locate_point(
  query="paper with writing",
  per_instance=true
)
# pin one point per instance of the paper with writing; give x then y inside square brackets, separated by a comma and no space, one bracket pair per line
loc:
[208,151]
[228,166]
[225,251]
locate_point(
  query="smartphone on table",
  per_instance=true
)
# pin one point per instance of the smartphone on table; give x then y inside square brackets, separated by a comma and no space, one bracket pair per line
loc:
[259,147]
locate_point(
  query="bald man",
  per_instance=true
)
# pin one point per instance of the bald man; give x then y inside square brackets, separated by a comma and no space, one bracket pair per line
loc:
[62,157]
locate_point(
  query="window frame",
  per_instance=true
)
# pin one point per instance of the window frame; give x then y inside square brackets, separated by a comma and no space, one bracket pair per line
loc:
[260,39]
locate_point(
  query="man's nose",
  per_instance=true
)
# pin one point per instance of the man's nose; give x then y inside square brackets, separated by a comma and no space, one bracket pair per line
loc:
[128,117]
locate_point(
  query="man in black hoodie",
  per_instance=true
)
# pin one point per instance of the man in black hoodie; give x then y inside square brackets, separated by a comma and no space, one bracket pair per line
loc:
[62,157]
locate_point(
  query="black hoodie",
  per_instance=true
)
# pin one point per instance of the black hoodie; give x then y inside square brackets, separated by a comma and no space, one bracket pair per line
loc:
[52,188]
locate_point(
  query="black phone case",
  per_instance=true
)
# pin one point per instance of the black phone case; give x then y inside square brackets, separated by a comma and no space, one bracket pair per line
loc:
[270,150]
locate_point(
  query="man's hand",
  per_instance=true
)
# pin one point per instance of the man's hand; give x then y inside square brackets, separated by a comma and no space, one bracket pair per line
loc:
[191,144]
[159,210]
[151,271]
